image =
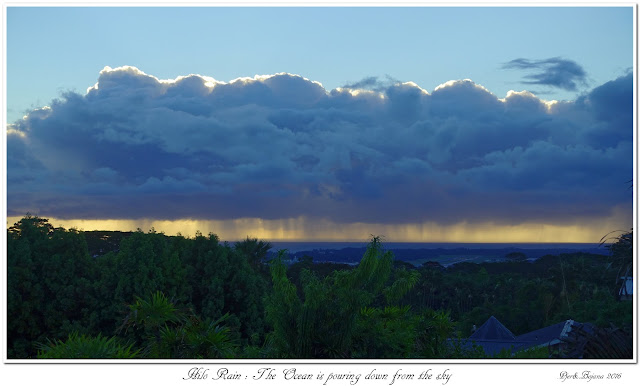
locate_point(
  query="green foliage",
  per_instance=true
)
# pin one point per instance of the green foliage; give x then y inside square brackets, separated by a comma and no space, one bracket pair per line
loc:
[228,307]
[80,346]
[139,265]
[153,312]
[50,284]
[332,317]
[195,339]
[405,280]
[55,288]
[283,309]
[253,249]
[223,281]
[164,331]
[621,251]
[388,332]
[456,349]
[435,327]
[541,352]
[525,296]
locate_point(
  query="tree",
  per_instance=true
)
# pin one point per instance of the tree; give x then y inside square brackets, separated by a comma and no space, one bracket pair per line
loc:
[516,256]
[324,319]
[166,331]
[159,329]
[139,266]
[50,290]
[434,329]
[79,346]
[621,252]
[253,249]
[223,281]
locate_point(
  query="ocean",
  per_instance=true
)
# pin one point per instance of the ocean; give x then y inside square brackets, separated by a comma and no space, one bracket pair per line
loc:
[297,246]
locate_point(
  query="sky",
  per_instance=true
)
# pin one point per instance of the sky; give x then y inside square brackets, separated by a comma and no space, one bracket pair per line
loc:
[477,124]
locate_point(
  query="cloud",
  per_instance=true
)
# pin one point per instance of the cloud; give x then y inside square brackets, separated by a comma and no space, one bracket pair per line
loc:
[373,83]
[555,72]
[281,146]
[366,83]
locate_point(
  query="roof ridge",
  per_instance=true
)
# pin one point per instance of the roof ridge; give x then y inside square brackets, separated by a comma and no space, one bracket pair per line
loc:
[493,329]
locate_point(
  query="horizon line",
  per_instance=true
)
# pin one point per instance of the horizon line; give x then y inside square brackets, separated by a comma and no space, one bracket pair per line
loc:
[304,230]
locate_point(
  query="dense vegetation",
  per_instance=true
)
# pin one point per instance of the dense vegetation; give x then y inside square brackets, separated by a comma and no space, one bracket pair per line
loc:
[158,296]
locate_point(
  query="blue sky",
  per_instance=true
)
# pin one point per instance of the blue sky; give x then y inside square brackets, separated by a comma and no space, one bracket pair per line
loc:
[394,121]
[55,49]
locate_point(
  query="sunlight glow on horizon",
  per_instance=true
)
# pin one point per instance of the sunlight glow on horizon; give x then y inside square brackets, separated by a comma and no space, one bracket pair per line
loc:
[303,229]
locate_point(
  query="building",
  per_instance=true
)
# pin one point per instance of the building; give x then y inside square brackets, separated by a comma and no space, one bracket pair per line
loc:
[494,337]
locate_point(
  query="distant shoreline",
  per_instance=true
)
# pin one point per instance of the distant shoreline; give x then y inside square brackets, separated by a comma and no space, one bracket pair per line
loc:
[300,246]
[445,254]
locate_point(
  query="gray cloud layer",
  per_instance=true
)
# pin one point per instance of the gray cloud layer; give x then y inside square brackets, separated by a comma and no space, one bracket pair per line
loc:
[555,72]
[282,146]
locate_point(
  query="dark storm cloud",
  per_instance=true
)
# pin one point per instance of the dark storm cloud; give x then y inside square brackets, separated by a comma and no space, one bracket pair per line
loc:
[282,146]
[555,72]
[367,83]
[374,83]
